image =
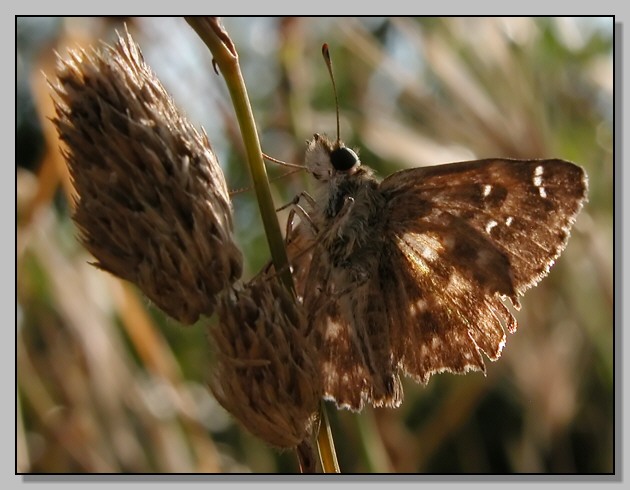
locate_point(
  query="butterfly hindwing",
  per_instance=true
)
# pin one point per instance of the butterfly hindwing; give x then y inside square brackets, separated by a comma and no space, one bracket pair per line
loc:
[352,335]
[439,319]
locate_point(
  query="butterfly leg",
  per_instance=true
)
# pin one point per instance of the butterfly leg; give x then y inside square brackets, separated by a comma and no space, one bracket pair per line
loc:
[342,216]
[303,214]
[296,209]
[296,200]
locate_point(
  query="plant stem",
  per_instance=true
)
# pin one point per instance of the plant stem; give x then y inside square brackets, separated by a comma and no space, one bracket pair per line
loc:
[325,445]
[225,57]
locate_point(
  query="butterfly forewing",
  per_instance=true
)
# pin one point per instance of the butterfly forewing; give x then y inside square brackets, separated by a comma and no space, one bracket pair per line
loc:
[523,209]
[467,233]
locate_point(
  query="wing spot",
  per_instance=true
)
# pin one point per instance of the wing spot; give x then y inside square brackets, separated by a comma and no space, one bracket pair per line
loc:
[491,224]
[428,253]
[418,307]
[542,192]
[537,180]
[333,330]
[455,283]
[509,221]
[487,189]
[538,171]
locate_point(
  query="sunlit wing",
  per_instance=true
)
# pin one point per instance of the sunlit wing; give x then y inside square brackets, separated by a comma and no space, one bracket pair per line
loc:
[351,333]
[462,236]
[457,239]
[439,319]
[524,208]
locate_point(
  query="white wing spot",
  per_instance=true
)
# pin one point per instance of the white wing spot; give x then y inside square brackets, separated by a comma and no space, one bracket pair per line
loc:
[538,171]
[537,180]
[486,190]
[333,330]
[455,283]
[509,221]
[428,253]
[491,224]
[418,307]
[542,192]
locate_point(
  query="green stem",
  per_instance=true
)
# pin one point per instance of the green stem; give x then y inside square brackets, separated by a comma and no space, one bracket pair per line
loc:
[225,57]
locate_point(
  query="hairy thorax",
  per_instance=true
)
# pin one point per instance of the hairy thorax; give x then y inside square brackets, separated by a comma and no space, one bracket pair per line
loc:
[349,217]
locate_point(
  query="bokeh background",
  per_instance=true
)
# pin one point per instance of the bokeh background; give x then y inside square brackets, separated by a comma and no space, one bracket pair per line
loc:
[107,383]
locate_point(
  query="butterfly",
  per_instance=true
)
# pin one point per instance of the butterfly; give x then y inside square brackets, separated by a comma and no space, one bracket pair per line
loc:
[411,275]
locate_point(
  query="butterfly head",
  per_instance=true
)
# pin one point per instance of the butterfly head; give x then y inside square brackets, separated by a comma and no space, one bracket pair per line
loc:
[325,159]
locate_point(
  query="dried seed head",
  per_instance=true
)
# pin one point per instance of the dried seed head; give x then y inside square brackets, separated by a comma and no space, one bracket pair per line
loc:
[152,204]
[266,376]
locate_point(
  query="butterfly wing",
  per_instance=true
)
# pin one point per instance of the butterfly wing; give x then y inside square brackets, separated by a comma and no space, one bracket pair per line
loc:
[344,370]
[452,240]
[524,208]
[462,236]
[348,319]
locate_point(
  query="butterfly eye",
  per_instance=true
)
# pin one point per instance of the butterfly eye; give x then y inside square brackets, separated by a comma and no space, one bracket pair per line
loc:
[343,158]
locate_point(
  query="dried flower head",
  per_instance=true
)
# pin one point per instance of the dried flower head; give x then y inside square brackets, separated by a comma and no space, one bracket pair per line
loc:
[152,204]
[266,376]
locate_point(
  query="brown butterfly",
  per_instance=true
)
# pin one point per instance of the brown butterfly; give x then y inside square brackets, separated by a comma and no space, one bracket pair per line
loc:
[409,274]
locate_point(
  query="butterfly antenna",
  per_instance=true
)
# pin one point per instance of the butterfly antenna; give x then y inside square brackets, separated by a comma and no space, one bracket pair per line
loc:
[284,164]
[241,190]
[326,54]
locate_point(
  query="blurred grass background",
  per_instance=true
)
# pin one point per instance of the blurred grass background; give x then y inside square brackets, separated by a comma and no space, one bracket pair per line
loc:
[107,383]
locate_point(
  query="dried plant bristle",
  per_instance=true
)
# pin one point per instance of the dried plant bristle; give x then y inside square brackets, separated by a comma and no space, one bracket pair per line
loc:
[152,204]
[265,375]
